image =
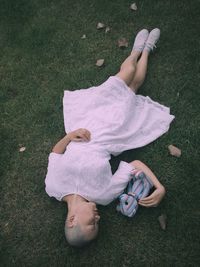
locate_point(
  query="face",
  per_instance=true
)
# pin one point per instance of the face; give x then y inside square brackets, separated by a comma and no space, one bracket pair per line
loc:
[87,216]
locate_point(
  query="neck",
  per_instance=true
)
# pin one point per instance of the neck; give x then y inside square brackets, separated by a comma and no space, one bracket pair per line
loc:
[73,200]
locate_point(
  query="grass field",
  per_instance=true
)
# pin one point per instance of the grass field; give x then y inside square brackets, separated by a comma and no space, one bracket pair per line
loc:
[41,55]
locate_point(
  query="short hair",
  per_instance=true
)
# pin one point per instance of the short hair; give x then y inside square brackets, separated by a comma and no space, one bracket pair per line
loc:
[75,236]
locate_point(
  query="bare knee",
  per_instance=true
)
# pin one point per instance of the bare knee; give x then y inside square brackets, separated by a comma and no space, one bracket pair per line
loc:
[127,68]
[126,73]
[135,86]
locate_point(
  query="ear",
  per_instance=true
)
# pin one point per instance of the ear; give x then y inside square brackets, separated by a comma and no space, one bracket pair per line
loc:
[71,221]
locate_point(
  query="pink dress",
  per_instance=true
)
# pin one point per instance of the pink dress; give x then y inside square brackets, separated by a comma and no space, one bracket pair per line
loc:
[118,120]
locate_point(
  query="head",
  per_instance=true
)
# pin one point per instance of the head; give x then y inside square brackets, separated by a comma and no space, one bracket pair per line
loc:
[81,225]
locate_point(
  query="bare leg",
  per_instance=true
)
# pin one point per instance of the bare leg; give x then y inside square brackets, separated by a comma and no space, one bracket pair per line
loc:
[128,67]
[140,73]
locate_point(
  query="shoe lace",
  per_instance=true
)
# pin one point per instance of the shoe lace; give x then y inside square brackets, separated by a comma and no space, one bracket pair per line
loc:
[151,46]
[154,46]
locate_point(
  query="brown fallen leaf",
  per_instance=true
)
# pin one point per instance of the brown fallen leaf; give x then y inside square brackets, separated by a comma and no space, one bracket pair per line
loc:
[22,149]
[100,25]
[107,29]
[100,62]
[133,6]
[174,151]
[83,36]
[163,221]
[122,42]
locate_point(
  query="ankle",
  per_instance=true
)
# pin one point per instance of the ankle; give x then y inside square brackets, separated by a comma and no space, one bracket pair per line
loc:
[135,53]
[146,52]
[147,49]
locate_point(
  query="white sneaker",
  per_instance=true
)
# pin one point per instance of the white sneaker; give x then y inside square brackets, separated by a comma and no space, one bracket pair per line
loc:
[140,40]
[152,39]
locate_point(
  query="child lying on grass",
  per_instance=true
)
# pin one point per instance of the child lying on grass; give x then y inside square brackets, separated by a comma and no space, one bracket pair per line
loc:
[100,121]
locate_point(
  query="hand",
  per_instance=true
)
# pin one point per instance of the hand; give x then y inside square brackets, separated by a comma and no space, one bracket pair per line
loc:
[154,199]
[79,135]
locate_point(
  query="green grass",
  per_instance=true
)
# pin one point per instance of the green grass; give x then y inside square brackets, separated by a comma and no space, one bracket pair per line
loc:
[42,54]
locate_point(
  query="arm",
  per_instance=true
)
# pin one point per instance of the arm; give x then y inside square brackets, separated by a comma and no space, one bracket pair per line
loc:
[155,198]
[118,182]
[78,135]
[60,147]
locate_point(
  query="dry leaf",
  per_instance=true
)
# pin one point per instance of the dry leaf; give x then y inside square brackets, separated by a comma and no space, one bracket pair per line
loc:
[122,42]
[133,6]
[83,36]
[100,62]
[100,25]
[174,151]
[107,29]
[22,149]
[163,221]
